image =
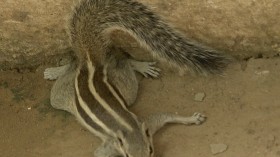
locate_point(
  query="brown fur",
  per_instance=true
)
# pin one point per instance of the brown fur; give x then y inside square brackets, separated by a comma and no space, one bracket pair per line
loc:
[93,21]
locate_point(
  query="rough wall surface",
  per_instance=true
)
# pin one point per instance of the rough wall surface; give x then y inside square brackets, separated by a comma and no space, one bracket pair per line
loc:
[240,27]
[32,31]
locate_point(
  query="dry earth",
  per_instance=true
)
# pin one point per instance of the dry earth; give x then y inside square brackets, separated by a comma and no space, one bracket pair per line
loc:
[242,108]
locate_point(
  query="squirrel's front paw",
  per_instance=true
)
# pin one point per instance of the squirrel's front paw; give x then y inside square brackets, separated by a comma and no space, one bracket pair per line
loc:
[146,68]
[51,74]
[55,72]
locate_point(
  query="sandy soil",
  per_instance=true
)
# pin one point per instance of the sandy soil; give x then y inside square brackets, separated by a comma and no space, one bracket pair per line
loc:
[242,108]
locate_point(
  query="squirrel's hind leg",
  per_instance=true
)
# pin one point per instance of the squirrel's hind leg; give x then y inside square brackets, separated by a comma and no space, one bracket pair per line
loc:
[121,73]
[123,78]
[157,121]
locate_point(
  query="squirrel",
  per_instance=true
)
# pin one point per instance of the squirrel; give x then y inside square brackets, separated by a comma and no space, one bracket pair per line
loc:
[100,83]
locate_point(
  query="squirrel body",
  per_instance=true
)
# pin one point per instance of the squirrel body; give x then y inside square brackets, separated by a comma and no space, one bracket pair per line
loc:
[92,22]
[99,85]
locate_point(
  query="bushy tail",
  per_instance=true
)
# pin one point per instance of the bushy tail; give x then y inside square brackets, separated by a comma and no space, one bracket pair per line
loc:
[92,17]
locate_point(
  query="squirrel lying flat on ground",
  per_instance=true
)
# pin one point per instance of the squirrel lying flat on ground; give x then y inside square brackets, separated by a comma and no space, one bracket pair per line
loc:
[100,83]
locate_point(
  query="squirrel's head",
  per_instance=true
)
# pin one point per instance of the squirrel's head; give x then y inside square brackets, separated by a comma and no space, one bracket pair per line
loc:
[137,143]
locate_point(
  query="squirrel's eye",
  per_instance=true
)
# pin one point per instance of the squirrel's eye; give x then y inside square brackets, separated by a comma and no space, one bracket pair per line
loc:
[151,150]
[147,133]
[121,142]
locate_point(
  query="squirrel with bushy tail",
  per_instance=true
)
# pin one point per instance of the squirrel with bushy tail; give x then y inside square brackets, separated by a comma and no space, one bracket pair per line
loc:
[100,83]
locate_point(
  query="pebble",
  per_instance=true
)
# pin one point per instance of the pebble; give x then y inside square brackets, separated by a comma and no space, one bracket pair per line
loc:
[199,97]
[218,148]
[265,72]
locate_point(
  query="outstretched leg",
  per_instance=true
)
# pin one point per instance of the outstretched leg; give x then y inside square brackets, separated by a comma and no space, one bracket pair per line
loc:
[156,122]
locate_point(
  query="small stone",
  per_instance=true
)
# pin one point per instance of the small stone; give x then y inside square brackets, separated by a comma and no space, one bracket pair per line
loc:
[265,72]
[199,96]
[218,148]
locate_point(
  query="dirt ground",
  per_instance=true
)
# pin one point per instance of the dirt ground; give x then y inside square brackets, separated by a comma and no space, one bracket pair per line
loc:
[242,107]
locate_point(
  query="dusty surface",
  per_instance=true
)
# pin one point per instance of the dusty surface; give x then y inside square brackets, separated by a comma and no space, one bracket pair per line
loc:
[31,31]
[242,108]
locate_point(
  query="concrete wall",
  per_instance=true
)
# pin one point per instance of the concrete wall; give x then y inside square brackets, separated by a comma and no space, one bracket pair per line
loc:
[32,31]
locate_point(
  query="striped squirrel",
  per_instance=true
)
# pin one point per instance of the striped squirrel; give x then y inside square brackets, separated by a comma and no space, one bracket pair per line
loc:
[100,83]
